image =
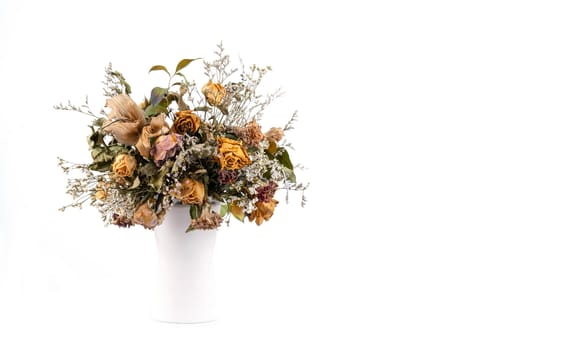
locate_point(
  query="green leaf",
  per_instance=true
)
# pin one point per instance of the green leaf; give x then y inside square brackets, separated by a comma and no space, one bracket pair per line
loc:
[223,210]
[101,166]
[149,169]
[158,67]
[290,175]
[183,63]
[157,94]
[284,159]
[99,122]
[157,180]
[155,110]
[195,211]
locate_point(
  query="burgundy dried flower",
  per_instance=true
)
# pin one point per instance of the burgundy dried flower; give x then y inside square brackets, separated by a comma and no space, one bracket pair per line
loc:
[226,176]
[121,221]
[266,193]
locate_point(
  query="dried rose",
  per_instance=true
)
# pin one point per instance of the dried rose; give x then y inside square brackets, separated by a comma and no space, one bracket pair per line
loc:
[165,147]
[263,211]
[124,165]
[190,191]
[186,122]
[145,216]
[232,154]
[126,119]
[214,93]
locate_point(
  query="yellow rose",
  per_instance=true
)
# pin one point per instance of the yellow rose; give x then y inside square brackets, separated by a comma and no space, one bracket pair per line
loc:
[214,93]
[145,216]
[186,122]
[190,192]
[124,165]
[232,155]
[264,211]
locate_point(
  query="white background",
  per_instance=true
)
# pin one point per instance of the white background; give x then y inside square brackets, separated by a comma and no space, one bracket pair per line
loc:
[432,133]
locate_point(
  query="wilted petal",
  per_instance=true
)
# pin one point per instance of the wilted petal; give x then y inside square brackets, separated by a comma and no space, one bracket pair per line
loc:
[126,119]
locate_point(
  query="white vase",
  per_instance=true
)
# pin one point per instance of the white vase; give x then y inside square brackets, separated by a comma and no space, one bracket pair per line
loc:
[185,281]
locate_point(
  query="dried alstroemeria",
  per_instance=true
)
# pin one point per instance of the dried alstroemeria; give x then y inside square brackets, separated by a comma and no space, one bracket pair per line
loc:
[189,191]
[214,93]
[165,147]
[124,165]
[208,220]
[263,211]
[186,122]
[156,128]
[126,119]
[232,155]
[145,216]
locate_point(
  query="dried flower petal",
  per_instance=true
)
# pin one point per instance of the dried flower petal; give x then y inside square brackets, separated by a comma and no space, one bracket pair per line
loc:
[126,119]
[208,220]
[263,211]
[214,93]
[145,216]
[165,147]
[156,128]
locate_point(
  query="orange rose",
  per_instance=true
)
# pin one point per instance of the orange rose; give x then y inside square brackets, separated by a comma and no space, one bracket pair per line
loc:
[190,192]
[264,211]
[232,155]
[187,122]
[214,93]
[124,165]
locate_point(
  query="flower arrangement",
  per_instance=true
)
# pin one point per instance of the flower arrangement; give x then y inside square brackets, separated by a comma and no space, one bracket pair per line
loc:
[186,144]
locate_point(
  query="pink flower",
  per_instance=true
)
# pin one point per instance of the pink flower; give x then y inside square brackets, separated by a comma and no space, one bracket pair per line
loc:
[165,147]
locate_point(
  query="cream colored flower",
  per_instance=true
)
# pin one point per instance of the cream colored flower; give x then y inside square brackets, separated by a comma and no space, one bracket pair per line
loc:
[126,119]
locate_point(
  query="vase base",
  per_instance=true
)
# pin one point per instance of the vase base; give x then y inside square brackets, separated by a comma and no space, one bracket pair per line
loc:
[156,319]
